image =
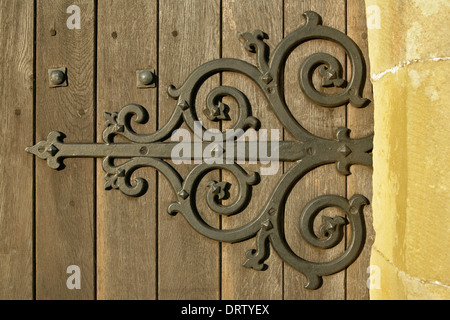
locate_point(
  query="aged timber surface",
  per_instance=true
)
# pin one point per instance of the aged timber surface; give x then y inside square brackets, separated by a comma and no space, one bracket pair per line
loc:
[130,248]
[17,175]
[65,221]
[126,227]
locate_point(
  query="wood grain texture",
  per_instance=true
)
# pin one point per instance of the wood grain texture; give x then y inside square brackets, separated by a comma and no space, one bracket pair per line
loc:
[322,122]
[130,248]
[126,226]
[65,222]
[17,176]
[360,122]
[188,263]
[246,16]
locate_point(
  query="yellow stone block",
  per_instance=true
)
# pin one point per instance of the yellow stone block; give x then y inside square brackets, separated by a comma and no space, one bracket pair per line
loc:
[391,283]
[405,31]
[411,200]
[409,54]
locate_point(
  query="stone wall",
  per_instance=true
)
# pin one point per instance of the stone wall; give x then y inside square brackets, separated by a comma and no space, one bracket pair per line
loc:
[409,53]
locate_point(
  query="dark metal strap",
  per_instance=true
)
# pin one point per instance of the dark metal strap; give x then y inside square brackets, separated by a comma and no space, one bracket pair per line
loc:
[308,151]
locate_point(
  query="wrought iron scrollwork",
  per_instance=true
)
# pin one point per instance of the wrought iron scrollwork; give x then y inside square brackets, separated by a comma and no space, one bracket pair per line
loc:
[307,151]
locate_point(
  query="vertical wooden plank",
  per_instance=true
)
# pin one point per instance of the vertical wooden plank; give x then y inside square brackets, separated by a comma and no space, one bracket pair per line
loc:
[65,222]
[322,122]
[16,189]
[360,121]
[246,16]
[127,40]
[189,35]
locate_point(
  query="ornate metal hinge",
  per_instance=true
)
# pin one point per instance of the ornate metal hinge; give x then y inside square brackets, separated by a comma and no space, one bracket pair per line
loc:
[306,152]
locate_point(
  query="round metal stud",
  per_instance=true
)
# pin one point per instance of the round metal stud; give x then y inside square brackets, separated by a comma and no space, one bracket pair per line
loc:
[146,77]
[57,77]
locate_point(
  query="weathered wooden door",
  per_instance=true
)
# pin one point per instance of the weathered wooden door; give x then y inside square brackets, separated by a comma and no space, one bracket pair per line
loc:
[57,225]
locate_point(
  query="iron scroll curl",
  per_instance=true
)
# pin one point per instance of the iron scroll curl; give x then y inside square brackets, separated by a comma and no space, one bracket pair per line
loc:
[150,150]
